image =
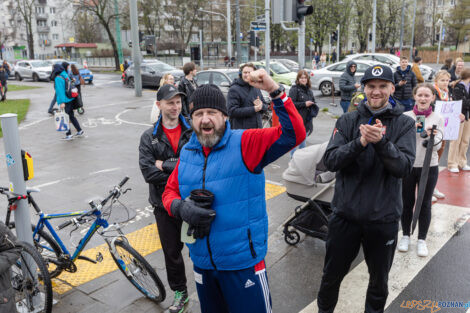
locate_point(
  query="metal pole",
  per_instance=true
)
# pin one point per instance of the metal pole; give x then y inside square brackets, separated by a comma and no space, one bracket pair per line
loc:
[338,45]
[440,38]
[402,24]
[201,57]
[267,36]
[301,41]
[237,22]
[11,143]
[135,48]
[413,31]
[229,32]
[374,23]
[118,32]
[329,48]
[256,35]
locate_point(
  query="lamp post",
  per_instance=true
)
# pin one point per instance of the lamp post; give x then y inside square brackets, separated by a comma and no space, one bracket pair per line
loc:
[229,31]
[440,21]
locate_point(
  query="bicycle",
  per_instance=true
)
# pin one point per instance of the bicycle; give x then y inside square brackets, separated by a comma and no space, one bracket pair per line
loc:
[31,283]
[58,258]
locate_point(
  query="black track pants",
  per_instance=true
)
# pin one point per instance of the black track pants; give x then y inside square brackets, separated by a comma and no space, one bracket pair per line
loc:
[342,246]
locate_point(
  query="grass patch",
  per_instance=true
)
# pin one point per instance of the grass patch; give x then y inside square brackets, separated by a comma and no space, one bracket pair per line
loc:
[324,110]
[19,87]
[19,107]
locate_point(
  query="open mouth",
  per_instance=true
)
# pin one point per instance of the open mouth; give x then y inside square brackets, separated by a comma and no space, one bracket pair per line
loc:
[207,130]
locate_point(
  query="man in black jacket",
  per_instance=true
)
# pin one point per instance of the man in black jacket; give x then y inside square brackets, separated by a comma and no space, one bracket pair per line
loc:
[159,150]
[405,82]
[245,103]
[371,150]
[348,85]
[187,85]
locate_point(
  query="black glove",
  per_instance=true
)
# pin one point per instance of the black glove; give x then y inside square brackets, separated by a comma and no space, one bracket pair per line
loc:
[169,165]
[192,214]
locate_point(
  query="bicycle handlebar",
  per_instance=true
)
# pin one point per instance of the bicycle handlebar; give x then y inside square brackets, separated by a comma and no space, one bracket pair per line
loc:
[123,181]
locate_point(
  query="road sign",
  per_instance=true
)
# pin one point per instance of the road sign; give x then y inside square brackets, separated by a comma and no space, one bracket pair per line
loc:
[443,32]
[255,25]
[261,17]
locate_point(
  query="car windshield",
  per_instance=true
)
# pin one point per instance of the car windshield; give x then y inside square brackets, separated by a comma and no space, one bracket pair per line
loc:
[278,68]
[161,67]
[39,64]
[232,75]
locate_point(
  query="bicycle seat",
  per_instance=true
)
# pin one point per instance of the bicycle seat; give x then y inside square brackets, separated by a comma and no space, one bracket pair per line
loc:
[30,190]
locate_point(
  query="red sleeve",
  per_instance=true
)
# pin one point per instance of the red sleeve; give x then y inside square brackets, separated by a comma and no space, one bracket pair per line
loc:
[263,146]
[172,190]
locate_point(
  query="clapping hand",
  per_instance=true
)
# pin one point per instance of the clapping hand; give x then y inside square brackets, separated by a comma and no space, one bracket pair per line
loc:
[371,133]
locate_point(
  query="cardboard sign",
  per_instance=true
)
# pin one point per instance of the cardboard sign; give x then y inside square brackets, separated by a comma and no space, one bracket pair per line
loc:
[450,112]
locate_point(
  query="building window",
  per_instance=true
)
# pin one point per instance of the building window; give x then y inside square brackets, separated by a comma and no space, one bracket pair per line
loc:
[53,23]
[55,36]
[40,10]
[41,23]
[52,10]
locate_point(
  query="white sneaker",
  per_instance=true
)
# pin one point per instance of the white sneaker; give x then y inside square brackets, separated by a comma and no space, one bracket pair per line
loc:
[421,248]
[433,199]
[404,244]
[453,170]
[466,168]
[438,194]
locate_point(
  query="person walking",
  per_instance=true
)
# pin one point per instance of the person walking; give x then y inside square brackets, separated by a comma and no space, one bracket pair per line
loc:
[61,81]
[125,66]
[457,157]
[323,60]
[316,56]
[187,85]
[405,82]
[348,85]
[230,223]
[245,103]
[302,96]
[424,95]
[77,81]
[415,68]
[371,150]
[159,149]
[333,55]
[4,73]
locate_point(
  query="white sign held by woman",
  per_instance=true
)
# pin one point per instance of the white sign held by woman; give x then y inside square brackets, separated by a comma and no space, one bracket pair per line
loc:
[450,111]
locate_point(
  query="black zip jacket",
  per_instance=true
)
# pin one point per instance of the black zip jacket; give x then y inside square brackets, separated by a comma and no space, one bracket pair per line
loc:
[368,179]
[154,145]
[347,81]
[187,87]
[406,91]
[241,108]
[299,95]
[459,93]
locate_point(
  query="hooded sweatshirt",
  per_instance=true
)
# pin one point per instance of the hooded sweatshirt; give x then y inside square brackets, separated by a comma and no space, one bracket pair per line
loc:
[347,82]
[59,84]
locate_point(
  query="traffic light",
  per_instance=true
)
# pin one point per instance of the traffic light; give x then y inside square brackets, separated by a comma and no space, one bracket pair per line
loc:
[252,38]
[370,37]
[300,10]
[437,37]
[334,36]
[257,42]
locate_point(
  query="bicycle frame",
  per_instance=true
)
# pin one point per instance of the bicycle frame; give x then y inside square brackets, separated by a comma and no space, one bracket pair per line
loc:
[44,221]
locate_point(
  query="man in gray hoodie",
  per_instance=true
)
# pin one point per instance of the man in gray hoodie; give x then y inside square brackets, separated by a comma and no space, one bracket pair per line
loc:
[348,85]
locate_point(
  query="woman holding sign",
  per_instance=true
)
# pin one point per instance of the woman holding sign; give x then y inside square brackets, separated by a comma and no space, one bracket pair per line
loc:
[458,148]
[422,113]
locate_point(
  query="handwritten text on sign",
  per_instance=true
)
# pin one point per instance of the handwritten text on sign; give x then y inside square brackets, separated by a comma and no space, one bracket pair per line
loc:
[450,111]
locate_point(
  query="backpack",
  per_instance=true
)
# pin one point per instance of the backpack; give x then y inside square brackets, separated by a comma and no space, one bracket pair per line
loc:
[70,90]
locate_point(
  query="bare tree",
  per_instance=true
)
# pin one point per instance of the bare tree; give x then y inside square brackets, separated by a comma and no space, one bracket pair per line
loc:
[86,27]
[152,16]
[25,8]
[458,20]
[363,21]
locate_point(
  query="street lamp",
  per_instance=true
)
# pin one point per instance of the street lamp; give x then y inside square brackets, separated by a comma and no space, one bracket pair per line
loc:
[229,31]
[440,22]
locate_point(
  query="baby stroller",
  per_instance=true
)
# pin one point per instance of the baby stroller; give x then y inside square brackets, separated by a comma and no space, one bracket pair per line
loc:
[307,180]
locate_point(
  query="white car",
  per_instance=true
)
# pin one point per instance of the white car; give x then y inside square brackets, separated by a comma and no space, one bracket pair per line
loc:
[323,79]
[391,60]
[35,69]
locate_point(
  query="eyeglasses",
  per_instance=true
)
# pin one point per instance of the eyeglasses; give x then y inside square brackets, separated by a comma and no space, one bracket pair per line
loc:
[353,66]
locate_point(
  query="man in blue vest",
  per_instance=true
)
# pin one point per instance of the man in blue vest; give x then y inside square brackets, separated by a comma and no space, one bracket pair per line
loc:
[231,235]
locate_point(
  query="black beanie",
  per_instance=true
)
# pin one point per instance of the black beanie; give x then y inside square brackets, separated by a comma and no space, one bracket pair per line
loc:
[208,96]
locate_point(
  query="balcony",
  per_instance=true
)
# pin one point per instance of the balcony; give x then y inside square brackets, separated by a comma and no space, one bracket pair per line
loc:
[42,16]
[44,42]
[43,29]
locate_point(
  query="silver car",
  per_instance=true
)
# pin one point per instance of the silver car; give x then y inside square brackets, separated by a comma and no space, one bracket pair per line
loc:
[323,78]
[35,69]
[391,60]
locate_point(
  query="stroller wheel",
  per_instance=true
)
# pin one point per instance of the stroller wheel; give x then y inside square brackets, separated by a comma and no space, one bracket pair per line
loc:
[292,238]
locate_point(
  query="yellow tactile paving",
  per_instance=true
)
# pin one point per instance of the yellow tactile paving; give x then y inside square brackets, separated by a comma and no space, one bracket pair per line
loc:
[144,240]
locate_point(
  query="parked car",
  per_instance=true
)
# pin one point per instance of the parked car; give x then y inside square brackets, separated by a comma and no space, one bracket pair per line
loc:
[323,78]
[35,69]
[391,60]
[279,72]
[151,74]
[86,74]
[292,65]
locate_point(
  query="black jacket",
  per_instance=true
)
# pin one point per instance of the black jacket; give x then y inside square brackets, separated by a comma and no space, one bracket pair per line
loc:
[406,91]
[368,179]
[241,108]
[299,95]
[154,145]
[188,88]
[347,82]
[459,93]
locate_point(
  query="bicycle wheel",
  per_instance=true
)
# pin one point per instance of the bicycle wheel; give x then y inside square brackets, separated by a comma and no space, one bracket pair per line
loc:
[48,248]
[32,284]
[138,271]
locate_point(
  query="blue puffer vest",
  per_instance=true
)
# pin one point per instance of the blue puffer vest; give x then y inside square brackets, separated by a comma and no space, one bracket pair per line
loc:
[239,232]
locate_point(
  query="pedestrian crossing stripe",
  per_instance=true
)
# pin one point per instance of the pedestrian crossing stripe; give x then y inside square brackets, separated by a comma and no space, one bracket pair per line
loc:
[144,240]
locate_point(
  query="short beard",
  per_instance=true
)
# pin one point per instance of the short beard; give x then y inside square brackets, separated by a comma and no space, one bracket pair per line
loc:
[210,141]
